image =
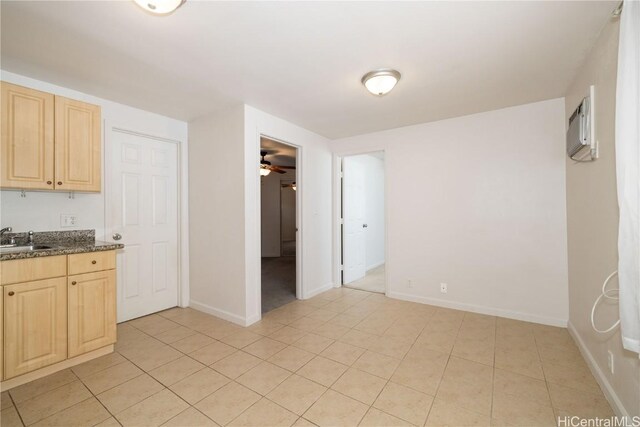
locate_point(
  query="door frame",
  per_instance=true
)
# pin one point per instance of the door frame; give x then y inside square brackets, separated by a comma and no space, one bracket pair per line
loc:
[299,225]
[281,233]
[182,196]
[337,215]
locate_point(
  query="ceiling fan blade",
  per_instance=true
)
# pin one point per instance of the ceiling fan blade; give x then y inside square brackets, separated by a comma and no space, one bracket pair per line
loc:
[286,167]
[276,169]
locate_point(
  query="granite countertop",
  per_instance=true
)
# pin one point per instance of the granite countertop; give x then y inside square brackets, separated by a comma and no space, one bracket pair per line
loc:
[61,242]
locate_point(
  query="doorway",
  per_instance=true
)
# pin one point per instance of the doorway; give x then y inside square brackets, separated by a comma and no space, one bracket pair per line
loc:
[278,207]
[142,211]
[363,222]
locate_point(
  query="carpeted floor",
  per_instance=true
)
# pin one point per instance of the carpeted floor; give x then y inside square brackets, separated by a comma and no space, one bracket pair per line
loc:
[289,248]
[278,282]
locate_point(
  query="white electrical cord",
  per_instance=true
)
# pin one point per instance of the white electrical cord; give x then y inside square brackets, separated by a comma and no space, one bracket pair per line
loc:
[605,294]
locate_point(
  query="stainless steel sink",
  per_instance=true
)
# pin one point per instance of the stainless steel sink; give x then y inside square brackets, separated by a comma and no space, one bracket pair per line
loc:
[24,248]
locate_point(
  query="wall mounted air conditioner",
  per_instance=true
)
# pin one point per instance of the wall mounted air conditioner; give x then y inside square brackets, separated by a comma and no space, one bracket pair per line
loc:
[581,136]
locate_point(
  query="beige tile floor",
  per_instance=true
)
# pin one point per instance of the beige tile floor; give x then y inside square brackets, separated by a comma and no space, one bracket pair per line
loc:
[343,358]
[373,281]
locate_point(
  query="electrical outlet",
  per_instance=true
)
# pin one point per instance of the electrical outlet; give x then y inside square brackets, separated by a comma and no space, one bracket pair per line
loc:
[443,288]
[409,283]
[610,361]
[68,220]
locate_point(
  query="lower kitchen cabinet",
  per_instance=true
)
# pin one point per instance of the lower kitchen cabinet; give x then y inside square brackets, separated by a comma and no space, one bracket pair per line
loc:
[1,335]
[35,325]
[92,311]
[55,312]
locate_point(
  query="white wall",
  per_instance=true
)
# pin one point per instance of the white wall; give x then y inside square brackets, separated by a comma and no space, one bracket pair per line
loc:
[217,244]
[40,210]
[592,216]
[270,212]
[313,180]
[477,202]
[225,210]
[288,213]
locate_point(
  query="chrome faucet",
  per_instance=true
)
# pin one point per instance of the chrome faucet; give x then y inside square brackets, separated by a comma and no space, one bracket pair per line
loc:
[12,242]
[30,241]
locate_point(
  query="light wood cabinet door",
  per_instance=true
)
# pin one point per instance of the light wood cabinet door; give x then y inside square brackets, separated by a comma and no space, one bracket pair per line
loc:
[27,138]
[92,311]
[1,337]
[78,146]
[35,325]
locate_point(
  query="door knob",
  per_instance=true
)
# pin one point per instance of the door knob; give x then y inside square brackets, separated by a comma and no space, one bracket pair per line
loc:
[116,236]
[364,225]
[74,282]
[11,293]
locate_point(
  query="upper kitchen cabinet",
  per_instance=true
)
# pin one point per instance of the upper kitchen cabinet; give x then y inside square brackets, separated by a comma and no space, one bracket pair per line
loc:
[78,147]
[49,142]
[27,157]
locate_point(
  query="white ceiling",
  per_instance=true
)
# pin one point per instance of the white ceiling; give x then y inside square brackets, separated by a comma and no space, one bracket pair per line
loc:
[303,61]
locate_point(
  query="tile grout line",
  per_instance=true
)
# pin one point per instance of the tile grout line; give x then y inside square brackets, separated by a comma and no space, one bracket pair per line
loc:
[291,318]
[320,355]
[296,372]
[16,407]
[159,391]
[546,382]
[449,355]
[48,391]
[387,381]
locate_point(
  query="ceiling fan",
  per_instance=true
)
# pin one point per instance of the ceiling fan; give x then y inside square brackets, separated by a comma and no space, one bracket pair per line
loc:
[291,185]
[266,167]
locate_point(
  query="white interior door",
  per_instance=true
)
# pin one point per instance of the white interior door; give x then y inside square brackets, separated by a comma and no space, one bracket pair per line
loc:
[354,239]
[142,207]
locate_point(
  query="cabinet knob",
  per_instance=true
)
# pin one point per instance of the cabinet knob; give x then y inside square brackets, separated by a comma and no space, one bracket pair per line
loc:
[11,293]
[94,261]
[49,182]
[74,282]
[59,182]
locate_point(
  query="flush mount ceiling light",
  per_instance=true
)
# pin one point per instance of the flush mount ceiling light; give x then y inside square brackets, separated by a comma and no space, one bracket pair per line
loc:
[159,7]
[380,82]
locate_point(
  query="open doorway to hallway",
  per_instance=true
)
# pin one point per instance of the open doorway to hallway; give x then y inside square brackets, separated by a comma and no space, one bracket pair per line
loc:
[278,198]
[363,229]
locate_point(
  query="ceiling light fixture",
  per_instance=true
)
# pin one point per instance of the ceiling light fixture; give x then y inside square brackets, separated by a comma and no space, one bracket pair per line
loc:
[264,171]
[380,82]
[159,7]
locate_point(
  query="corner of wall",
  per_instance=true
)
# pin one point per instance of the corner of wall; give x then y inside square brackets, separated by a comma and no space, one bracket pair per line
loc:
[607,388]
[218,312]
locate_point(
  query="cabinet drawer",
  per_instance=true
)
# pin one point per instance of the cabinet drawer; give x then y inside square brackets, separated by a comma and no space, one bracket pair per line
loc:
[92,261]
[28,270]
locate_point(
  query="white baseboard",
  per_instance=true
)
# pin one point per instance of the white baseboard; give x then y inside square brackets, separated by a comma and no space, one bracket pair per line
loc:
[253,319]
[605,385]
[321,289]
[551,321]
[223,314]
